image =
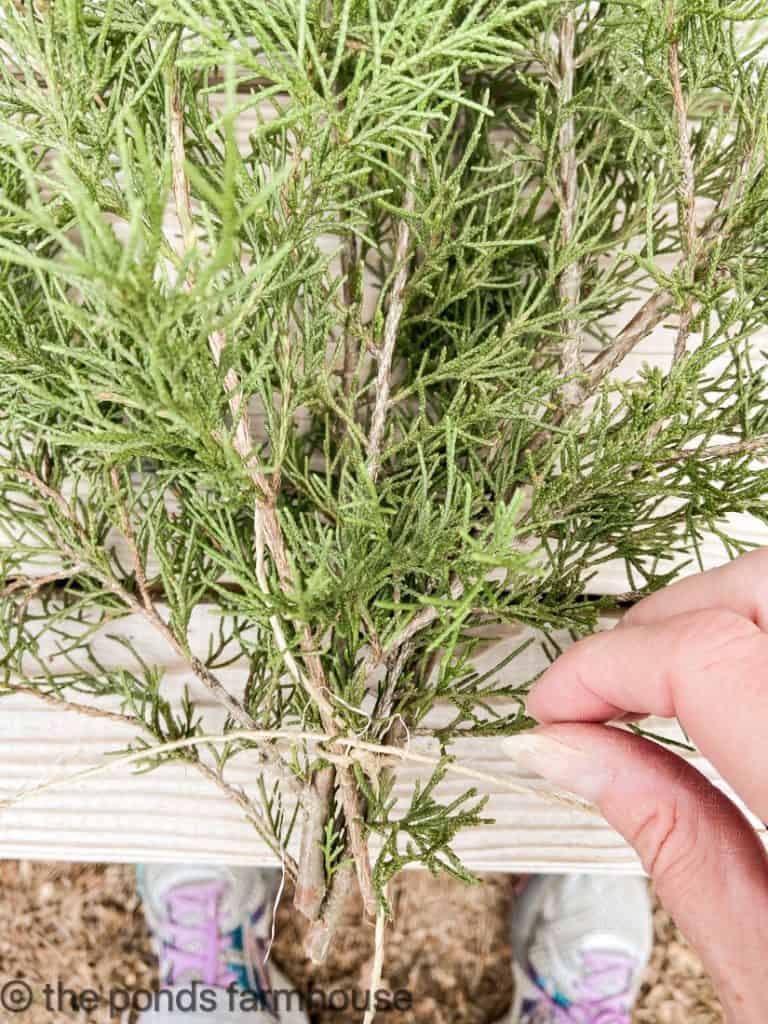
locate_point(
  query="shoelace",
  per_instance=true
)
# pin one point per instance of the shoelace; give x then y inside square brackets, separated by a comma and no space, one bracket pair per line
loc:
[595,1005]
[194,941]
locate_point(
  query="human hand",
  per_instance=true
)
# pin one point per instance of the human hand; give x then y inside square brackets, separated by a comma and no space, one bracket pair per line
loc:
[697,650]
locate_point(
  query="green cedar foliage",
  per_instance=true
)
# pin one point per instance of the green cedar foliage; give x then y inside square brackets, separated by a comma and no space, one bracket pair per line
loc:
[407,235]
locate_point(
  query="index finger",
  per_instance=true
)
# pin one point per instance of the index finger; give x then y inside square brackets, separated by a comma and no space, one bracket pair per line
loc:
[709,668]
[740,586]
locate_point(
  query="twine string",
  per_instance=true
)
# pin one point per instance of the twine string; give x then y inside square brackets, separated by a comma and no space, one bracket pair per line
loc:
[371,756]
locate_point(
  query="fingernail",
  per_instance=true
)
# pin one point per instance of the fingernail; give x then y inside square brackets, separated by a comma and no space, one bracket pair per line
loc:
[563,766]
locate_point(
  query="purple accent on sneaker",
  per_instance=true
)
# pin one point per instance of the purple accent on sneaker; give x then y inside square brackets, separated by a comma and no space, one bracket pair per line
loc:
[199,902]
[603,996]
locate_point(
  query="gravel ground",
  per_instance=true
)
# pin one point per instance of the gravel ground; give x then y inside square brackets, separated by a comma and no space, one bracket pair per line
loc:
[82,925]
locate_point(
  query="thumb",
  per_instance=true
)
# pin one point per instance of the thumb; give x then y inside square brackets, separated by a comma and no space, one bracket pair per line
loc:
[708,865]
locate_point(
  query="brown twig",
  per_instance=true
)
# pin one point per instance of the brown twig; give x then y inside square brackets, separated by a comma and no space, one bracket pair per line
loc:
[721,451]
[348,257]
[311,881]
[387,347]
[89,710]
[569,282]
[640,326]
[35,583]
[377,966]
[420,621]
[353,808]
[687,184]
[397,662]
[130,538]
[240,797]
[322,930]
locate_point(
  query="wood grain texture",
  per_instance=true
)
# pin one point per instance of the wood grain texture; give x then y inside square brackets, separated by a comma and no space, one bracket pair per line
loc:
[174,814]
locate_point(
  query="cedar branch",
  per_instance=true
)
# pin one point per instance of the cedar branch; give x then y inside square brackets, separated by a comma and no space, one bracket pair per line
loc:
[753,445]
[147,608]
[89,710]
[387,348]
[233,792]
[422,620]
[311,881]
[241,798]
[569,282]
[267,529]
[687,185]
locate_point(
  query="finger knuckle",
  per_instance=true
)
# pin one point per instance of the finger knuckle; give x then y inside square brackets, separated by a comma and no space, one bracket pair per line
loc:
[707,637]
[666,839]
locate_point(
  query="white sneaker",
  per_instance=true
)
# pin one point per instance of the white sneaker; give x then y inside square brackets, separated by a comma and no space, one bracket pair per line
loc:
[211,928]
[581,943]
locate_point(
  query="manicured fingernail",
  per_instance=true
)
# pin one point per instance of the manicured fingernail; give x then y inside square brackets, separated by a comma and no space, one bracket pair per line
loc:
[562,766]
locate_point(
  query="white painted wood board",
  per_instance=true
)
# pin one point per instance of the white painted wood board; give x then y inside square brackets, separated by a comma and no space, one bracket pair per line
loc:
[173,813]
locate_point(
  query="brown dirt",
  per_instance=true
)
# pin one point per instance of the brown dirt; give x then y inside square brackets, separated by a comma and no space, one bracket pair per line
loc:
[82,925]
[448,947]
